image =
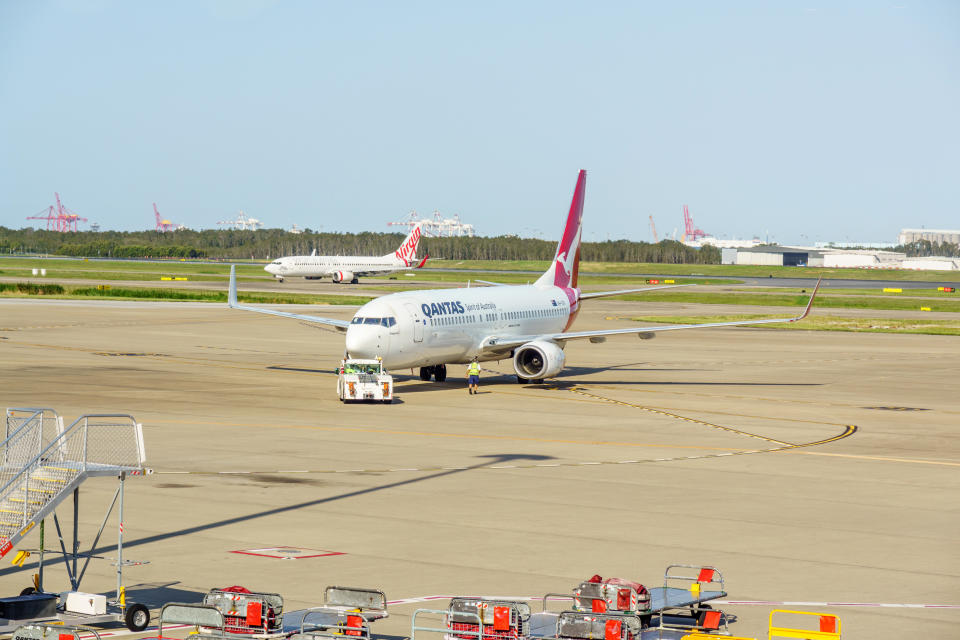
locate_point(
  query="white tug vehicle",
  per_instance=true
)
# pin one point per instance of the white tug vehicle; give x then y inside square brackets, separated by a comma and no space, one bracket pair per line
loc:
[360,379]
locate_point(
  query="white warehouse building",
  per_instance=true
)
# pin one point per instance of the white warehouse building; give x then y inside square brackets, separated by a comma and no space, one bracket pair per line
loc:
[774,255]
[932,263]
[937,236]
[863,258]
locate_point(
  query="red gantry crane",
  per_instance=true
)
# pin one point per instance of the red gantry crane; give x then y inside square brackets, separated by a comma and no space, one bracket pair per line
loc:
[58,217]
[162,224]
[690,232]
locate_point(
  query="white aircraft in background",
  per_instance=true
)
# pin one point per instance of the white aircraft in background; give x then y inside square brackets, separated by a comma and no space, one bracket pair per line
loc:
[529,324]
[350,268]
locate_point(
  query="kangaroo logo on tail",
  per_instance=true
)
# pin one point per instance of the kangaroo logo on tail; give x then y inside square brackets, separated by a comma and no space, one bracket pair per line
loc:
[566,262]
[408,248]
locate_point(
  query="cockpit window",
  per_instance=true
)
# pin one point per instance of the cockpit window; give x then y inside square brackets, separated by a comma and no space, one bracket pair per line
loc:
[389,321]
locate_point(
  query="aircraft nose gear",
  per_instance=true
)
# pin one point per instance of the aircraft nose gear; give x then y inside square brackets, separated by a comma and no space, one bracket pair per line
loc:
[437,372]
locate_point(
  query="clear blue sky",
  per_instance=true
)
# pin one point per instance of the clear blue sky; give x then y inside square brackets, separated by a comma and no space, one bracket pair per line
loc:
[809,120]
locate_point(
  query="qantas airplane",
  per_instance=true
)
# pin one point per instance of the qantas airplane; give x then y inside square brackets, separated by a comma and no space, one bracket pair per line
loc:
[529,324]
[349,268]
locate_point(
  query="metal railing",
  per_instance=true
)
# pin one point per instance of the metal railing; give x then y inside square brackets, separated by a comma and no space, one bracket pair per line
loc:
[92,445]
[197,615]
[26,432]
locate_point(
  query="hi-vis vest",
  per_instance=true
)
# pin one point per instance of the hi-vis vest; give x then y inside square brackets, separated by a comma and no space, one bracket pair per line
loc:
[474,369]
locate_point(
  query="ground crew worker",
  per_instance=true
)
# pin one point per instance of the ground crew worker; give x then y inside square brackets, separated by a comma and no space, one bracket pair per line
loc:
[473,376]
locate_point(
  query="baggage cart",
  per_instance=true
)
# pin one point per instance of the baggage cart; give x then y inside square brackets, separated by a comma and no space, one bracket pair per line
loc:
[206,619]
[346,611]
[678,607]
[41,631]
[488,619]
[246,614]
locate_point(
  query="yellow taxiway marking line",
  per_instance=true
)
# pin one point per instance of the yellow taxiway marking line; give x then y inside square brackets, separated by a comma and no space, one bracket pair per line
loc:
[676,416]
[848,431]
[880,458]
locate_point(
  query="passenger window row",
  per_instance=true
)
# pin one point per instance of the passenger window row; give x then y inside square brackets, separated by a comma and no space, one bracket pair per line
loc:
[532,313]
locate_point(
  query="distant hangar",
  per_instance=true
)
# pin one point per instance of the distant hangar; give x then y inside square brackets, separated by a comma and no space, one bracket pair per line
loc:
[771,255]
[777,255]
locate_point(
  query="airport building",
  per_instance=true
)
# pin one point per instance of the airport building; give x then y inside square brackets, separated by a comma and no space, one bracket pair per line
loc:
[936,236]
[775,255]
[863,258]
[932,263]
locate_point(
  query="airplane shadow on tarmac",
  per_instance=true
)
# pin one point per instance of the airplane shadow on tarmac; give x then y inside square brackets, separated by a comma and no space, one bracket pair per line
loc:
[493,459]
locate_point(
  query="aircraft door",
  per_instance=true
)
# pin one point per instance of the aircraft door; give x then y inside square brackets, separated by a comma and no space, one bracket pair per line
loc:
[418,322]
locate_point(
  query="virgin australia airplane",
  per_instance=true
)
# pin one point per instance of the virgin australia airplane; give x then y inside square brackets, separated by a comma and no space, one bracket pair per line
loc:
[529,324]
[349,268]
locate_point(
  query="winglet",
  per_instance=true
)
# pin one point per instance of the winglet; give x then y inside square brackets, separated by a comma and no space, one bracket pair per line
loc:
[423,262]
[232,295]
[812,296]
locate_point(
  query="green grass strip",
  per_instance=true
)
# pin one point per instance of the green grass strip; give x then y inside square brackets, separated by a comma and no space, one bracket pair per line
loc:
[724,270]
[161,293]
[825,323]
[785,300]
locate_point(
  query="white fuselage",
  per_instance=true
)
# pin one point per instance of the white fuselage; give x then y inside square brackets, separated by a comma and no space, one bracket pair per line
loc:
[325,266]
[449,326]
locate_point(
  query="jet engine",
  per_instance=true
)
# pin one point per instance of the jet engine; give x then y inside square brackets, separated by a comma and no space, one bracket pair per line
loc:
[343,276]
[538,360]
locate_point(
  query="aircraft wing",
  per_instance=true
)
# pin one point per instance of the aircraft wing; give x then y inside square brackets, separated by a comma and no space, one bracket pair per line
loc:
[340,325]
[623,292]
[495,344]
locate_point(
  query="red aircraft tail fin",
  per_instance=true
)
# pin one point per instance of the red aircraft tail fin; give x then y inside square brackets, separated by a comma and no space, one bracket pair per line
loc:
[566,262]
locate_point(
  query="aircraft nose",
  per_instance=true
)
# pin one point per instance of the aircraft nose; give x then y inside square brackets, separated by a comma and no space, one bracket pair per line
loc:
[270,268]
[361,342]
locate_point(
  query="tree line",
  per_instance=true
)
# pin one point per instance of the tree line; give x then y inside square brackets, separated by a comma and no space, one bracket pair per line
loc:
[924,248]
[266,244]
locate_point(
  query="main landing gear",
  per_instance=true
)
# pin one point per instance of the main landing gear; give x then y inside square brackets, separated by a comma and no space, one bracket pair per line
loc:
[437,372]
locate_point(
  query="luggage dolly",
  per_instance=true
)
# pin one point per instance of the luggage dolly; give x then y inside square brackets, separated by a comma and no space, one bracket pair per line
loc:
[54,631]
[670,607]
[246,614]
[487,619]
[494,619]
[203,617]
[828,628]
[684,607]
[346,611]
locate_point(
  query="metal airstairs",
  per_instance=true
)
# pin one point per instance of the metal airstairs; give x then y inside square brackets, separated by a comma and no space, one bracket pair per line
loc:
[42,462]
